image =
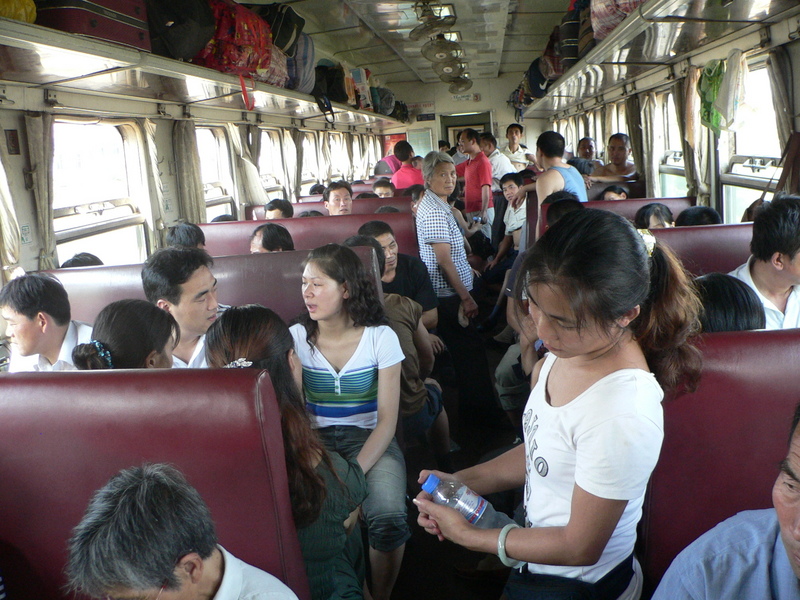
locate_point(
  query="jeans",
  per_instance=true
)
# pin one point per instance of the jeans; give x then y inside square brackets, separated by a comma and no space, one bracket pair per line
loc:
[385,505]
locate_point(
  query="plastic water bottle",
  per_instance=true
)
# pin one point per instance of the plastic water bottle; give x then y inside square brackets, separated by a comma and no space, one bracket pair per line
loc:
[475,508]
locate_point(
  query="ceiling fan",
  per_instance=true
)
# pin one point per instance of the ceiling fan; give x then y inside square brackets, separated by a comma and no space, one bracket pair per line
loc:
[460,84]
[431,23]
[450,71]
[440,49]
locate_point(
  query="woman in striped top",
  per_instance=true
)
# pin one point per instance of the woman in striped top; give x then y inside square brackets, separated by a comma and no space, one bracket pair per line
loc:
[351,381]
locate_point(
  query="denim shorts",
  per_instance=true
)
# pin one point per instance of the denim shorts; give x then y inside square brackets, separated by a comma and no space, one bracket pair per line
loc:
[421,421]
[385,505]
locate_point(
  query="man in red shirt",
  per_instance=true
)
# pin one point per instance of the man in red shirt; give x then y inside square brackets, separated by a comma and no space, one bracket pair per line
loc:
[406,175]
[477,175]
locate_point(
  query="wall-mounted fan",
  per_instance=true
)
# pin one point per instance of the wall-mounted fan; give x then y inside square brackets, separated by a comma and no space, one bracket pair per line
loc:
[440,49]
[460,84]
[450,70]
[431,23]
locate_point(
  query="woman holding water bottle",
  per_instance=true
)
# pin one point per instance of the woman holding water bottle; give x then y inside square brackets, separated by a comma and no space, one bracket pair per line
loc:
[617,312]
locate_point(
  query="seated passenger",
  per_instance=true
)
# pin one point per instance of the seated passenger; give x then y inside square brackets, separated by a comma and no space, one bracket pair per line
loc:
[179,281]
[587,150]
[406,175]
[729,304]
[614,192]
[403,274]
[37,314]
[751,211]
[618,168]
[351,380]
[653,216]
[387,209]
[367,195]
[444,145]
[271,237]
[753,554]
[416,162]
[187,235]
[147,533]
[310,213]
[325,489]
[772,270]
[584,166]
[82,259]
[223,219]
[384,188]
[129,334]
[421,407]
[279,209]
[415,192]
[338,198]
[698,215]
[560,204]
[317,188]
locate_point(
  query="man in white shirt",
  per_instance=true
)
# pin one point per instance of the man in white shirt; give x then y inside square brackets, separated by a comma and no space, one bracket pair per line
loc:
[773,269]
[37,312]
[515,151]
[134,528]
[501,165]
[179,280]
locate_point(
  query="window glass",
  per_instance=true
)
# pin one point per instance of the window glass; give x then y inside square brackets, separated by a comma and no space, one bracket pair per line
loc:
[310,169]
[270,165]
[215,171]
[757,132]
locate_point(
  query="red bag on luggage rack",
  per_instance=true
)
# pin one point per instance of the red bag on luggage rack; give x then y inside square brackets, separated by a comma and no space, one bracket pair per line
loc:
[242,43]
[119,21]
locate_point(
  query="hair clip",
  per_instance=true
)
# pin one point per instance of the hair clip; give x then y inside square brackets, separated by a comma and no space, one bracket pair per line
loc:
[239,363]
[102,353]
[649,240]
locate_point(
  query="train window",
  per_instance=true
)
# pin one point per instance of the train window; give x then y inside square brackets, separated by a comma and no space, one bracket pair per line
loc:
[753,148]
[98,189]
[270,163]
[310,169]
[341,166]
[671,170]
[215,171]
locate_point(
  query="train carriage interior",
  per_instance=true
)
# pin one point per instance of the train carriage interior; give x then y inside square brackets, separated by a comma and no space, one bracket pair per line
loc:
[112,138]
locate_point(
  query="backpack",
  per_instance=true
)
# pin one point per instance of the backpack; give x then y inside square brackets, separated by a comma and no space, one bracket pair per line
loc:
[285,23]
[400,112]
[180,28]
[301,65]
[329,83]
[382,100]
[242,42]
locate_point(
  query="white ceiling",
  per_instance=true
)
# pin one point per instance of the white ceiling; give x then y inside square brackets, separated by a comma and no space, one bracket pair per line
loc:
[497,36]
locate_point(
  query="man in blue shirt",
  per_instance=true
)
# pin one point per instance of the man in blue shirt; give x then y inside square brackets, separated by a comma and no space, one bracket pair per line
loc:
[755,554]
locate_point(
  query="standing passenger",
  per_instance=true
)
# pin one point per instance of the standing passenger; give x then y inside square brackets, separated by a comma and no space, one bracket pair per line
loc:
[501,165]
[441,248]
[616,310]
[406,175]
[477,175]
[515,151]
[179,281]
[351,379]
[37,313]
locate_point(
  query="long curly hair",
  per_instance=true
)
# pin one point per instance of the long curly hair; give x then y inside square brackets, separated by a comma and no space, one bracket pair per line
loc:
[342,265]
[258,335]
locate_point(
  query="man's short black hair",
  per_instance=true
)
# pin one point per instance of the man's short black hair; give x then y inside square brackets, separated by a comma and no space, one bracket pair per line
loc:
[698,215]
[336,185]
[286,208]
[185,234]
[383,182]
[223,219]
[515,126]
[795,422]
[470,134]
[622,137]
[403,151]
[776,228]
[169,268]
[556,210]
[34,293]
[375,228]
[488,137]
[551,143]
[515,177]
[444,144]
[370,242]
[274,237]
[317,188]
[82,259]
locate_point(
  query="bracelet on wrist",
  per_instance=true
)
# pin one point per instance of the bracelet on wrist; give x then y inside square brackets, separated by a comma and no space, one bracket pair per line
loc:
[501,547]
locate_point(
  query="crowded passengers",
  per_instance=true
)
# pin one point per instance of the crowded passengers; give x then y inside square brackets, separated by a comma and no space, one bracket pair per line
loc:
[598,342]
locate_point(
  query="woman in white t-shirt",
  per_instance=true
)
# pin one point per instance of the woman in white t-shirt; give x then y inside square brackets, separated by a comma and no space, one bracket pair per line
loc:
[616,312]
[351,381]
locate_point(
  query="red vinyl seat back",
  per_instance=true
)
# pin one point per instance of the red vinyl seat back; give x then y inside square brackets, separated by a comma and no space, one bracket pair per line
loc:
[65,434]
[272,279]
[361,206]
[709,248]
[309,198]
[636,189]
[722,443]
[223,239]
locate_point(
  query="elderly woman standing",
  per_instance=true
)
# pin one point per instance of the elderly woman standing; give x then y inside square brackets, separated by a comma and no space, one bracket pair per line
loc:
[442,250]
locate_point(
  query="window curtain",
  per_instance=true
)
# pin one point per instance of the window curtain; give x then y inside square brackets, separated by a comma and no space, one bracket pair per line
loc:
[779,68]
[694,142]
[355,171]
[158,229]
[39,129]
[9,226]
[292,154]
[324,157]
[245,140]
[653,142]
[191,198]
[633,120]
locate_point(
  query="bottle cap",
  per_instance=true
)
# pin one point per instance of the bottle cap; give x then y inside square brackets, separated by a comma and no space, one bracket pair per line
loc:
[430,483]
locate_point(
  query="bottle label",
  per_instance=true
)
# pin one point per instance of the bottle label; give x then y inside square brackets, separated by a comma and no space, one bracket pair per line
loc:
[471,505]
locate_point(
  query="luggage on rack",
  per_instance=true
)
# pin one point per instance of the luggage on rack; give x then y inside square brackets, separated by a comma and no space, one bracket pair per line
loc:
[277,74]
[568,37]
[119,21]
[382,100]
[19,10]
[329,83]
[180,28]
[607,14]
[242,42]
[586,39]
[301,65]
[285,23]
